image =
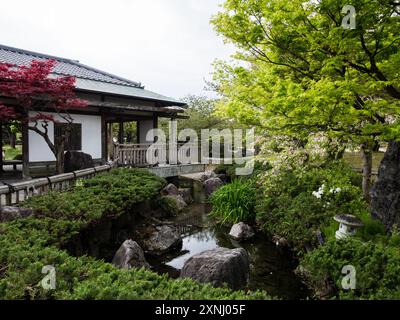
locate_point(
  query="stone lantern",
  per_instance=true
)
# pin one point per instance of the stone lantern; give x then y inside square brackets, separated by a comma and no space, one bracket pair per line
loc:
[348,225]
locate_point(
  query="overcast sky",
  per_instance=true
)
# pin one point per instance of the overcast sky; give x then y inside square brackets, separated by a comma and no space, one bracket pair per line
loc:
[168,45]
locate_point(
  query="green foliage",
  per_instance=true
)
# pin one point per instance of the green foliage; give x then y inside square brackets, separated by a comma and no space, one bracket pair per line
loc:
[23,255]
[235,202]
[201,115]
[373,229]
[105,195]
[300,75]
[298,72]
[296,202]
[11,154]
[227,169]
[168,205]
[377,268]
[27,245]
[130,131]
[230,169]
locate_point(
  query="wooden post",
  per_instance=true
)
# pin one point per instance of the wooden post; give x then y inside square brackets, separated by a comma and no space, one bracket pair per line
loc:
[110,140]
[155,121]
[121,133]
[25,150]
[104,139]
[137,132]
[1,147]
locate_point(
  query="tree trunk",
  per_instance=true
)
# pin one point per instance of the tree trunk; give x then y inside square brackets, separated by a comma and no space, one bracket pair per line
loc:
[385,195]
[13,140]
[366,155]
[60,160]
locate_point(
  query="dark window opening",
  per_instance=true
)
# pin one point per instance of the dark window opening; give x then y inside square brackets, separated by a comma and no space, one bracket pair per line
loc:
[74,141]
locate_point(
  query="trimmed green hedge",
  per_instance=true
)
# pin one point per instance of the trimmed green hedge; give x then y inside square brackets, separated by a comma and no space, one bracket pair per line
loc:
[27,245]
[23,254]
[377,267]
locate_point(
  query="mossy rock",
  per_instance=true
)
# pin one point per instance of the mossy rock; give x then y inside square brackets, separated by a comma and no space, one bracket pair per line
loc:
[172,205]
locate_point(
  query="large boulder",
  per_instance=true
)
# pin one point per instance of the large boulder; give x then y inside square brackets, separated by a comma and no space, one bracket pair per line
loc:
[77,160]
[130,255]
[385,195]
[8,213]
[162,240]
[204,176]
[211,185]
[241,231]
[186,194]
[172,205]
[170,190]
[218,267]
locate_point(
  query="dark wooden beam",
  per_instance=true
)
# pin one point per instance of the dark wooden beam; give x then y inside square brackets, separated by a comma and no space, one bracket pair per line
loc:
[117,119]
[121,133]
[155,121]
[25,150]
[132,107]
[137,132]
[110,141]
[104,138]
[110,117]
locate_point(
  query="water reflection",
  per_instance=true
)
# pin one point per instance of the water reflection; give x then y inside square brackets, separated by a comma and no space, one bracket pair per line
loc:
[270,268]
[194,244]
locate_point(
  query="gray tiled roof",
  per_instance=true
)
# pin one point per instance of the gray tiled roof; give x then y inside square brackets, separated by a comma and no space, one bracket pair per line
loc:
[87,78]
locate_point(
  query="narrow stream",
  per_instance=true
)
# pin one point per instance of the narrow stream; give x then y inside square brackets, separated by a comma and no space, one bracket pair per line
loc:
[271,268]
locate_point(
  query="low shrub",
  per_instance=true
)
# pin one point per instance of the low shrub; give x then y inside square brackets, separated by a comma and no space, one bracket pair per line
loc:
[27,245]
[106,195]
[23,254]
[377,267]
[296,202]
[235,202]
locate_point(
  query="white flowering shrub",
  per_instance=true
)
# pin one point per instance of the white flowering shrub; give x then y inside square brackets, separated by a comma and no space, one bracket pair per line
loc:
[300,199]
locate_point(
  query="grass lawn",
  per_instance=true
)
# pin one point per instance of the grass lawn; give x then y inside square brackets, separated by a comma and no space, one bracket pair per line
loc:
[354,159]
[11,153]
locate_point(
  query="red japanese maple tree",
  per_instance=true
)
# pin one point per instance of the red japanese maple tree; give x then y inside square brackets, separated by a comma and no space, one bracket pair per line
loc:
[30,92]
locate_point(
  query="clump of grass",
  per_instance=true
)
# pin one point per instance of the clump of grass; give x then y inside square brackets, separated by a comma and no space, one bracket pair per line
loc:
[235,202]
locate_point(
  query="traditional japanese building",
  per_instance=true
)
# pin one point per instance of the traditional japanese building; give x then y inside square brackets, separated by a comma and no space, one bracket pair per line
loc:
[111,99]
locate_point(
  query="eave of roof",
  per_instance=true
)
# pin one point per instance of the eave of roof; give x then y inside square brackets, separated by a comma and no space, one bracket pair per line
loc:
[125,91]
[87,78]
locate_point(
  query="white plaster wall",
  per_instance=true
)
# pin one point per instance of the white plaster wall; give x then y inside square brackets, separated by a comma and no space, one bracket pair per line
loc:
[91,138]
[144,127]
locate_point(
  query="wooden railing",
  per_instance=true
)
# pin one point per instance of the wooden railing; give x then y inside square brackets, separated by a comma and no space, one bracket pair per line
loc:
[135,155]
[13,194]
[131,154]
